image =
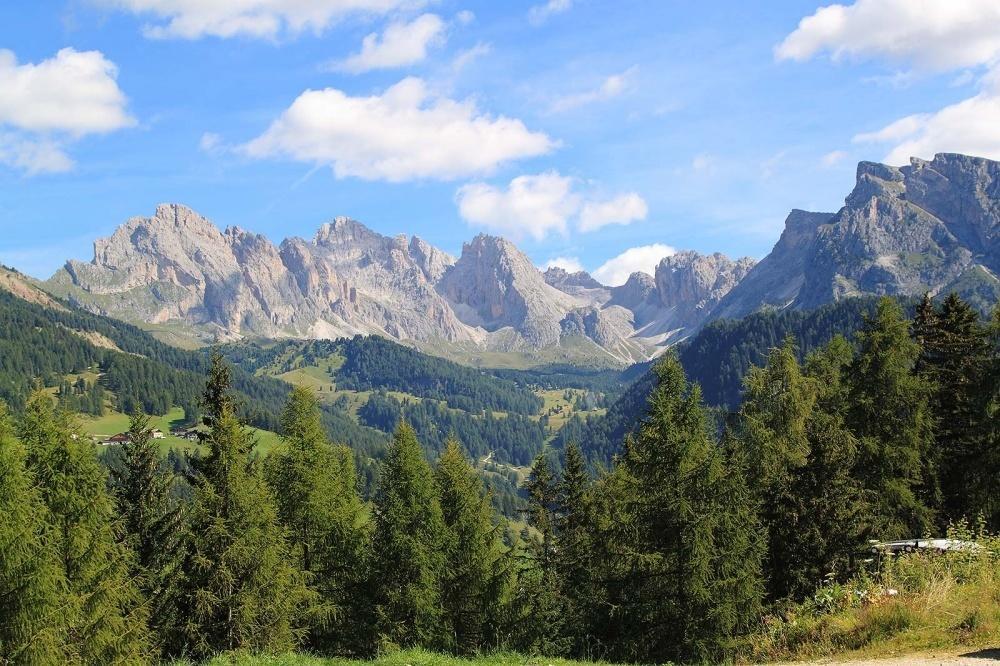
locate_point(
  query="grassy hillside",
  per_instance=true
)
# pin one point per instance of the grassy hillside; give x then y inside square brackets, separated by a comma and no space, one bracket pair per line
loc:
[913,603]
[116,422]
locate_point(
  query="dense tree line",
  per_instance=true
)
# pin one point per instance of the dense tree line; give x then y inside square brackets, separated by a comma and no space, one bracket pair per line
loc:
[718,357]
[372,363]
[511,438]
[671,554]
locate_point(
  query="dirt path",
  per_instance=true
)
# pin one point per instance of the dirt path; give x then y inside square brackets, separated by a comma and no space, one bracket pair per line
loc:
[971,658]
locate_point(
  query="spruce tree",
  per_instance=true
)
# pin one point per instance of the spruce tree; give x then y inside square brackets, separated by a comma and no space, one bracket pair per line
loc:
[315,484]
[688,549]
[408,548]
[105,615]
[150,517]
[236,586]
[954,350]
[890,415]
[575,558]
[472,584]
[989,500]
[32,585]
[540,602]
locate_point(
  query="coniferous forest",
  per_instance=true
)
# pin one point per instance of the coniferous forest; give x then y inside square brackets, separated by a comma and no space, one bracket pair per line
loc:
[672,553]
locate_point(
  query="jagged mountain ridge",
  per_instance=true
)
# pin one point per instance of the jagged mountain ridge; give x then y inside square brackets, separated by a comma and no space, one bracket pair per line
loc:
[932,226]
[929,226]
[178,268]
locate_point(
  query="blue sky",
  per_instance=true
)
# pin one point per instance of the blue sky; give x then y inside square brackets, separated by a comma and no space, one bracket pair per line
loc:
[591,130]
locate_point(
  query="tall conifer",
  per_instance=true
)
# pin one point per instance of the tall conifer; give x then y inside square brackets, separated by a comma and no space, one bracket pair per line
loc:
[32,586]
[315,484]
[106,617]
[236,586]
[471,582]
[890,415]
[684,536]
[408,548]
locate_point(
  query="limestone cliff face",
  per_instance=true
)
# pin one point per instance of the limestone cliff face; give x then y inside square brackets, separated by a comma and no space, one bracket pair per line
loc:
[929,226]
[178,266]
[493,285]
[177,269]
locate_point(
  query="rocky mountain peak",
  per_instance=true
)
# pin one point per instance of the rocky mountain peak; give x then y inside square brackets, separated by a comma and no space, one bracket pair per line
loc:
[494,285]
[696,282]
[563,280]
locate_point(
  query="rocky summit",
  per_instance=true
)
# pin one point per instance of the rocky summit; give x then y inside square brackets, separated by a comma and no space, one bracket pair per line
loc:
[929,226]
[932,226]
[179,271]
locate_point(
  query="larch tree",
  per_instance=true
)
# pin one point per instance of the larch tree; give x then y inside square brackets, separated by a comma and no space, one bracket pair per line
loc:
[408,548]
[315,484]
[32,584]
[105,614]
[472,581]
[890,415]
[688,544]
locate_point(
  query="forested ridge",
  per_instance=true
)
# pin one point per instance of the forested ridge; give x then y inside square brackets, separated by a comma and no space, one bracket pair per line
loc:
[718,358]
[674,553]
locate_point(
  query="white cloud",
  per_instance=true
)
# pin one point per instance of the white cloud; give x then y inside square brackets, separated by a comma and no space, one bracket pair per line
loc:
[539,14]
[399,45]
[47,104]
[531,205]
[264,19]
[969,127]
[73,92]
[568,264]
[623,209]
[833,158]
[937,35]
[616,271]
[611,87]
[402,134]
[33,156]
[537,205]
[210,142]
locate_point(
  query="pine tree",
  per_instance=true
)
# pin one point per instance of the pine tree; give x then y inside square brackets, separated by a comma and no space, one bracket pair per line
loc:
[989,499]
[315,485]
[105,614]
[575,558]
[408,548]
[472,581]
[890,416]
[688,549]
[953,357]
[150,517]
[32,586]
[540,601]
[236,586]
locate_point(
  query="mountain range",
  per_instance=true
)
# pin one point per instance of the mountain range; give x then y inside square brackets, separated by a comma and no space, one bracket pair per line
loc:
[929,226]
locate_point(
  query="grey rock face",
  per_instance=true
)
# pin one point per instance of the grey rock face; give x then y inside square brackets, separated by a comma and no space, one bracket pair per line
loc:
[929,226]
[493,285]
[563,280]
[177,266]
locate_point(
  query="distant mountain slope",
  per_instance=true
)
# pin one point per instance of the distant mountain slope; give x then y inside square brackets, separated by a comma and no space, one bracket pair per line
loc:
[929,226]
[179,272]
[43,340]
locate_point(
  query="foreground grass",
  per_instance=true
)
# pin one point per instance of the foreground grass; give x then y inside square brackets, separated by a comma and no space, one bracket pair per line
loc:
[402,658]
[916,603]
